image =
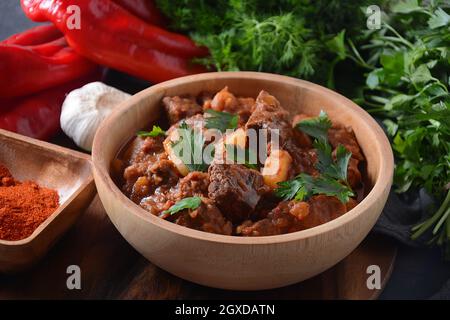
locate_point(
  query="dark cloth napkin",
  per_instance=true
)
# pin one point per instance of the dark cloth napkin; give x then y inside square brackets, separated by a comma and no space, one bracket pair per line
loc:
[400,214]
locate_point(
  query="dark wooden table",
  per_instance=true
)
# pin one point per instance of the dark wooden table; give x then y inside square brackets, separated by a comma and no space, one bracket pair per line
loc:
[112,269]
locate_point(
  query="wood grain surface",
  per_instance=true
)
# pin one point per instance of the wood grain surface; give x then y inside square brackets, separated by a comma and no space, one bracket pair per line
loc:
[112,269]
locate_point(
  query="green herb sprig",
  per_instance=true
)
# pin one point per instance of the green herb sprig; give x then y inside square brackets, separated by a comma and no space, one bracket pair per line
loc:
[316,127]
[156,131]
[221,120]
[191,203]
[192,142]
[304,186]
[284,37]
[407,87]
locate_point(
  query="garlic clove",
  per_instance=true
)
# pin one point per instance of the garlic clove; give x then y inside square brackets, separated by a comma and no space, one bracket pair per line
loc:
[85,108]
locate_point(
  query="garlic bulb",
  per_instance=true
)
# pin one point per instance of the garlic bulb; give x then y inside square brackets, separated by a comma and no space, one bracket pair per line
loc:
[85,108]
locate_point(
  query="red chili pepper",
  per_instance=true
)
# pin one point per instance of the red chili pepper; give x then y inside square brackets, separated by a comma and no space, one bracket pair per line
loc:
[29,64]
[38,115]
[112,36]
[105,19]
[144,9]
[34,36]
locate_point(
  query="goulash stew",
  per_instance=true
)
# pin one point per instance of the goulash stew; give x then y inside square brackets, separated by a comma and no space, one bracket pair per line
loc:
[238,166]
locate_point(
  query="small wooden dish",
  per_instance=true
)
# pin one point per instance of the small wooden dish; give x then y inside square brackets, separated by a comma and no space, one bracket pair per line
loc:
[61,169]
[243,263]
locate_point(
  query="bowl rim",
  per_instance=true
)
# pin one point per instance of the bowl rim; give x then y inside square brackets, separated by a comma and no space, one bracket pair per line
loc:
[68,153]
[382,181]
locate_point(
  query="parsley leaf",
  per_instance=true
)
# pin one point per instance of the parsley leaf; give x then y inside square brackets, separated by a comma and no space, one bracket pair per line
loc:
[342,159]
[156,131]
[325,160]
[327,166]
[221,120]
[189,148]
[288,190]
[331,187]
[304,186]
[440,18]
[186,203]
[246,156]
[316,127]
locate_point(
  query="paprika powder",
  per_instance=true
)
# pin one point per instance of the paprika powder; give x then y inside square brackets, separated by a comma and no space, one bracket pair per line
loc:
[23,206]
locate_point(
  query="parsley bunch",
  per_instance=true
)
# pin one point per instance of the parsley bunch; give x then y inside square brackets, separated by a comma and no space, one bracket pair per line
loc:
[407,87]
[279,36]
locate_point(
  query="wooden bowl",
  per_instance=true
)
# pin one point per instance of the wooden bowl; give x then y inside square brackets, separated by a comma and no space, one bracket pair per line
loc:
[69,172]
[240,263]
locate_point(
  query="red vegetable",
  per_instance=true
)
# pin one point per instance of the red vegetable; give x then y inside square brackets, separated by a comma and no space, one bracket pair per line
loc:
[37,115]
[106,18]
[144,9]
[36,60]
[112,36]
[34,36]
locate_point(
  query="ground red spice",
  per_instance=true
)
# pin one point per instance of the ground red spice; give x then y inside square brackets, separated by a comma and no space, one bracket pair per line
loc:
[23,206]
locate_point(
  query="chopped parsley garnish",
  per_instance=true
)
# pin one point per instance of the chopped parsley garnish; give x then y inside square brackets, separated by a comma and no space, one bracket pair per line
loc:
[332,180]
[190,142]
[156,131]
[221,120]
[316,127]
[186,203]
[327,166]
[304,186]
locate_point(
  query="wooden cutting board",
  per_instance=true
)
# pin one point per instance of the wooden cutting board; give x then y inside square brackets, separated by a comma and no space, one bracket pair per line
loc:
[112,269]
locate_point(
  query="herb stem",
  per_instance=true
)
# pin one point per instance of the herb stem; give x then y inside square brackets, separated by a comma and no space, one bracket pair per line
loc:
[358,59]
[428,223]
[403,40]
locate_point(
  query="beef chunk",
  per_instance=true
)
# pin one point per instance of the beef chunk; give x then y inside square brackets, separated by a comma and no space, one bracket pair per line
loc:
[207,218]
[269,114]
[340,135]
[322,209]
[194,184]
[142,178]
[303,160]
[301,138]
[157,202]
[291,216]
[245,109]
[149,168]
[236,190]
[282,219]
[353,174]
[179,108]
